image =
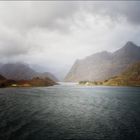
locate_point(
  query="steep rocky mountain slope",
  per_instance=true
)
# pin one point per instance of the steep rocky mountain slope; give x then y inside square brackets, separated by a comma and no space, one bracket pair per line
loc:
[103,65]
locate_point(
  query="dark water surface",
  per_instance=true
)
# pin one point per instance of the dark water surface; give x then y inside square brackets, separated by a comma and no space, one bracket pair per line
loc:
[70,112]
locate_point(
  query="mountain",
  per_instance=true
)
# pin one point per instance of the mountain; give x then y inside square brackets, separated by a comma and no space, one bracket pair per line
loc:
[1,64]
[21,71]
[130,77]
[47,74]
[21,75]
[2,81]
[103,65]
[2,78]
[17,71]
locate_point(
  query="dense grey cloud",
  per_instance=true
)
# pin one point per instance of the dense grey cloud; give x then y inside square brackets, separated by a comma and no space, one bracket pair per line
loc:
[52,35]
[130,10]
[50,14]
[35,14]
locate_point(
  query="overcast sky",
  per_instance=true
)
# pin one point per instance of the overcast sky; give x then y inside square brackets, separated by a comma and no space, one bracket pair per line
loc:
[52,35]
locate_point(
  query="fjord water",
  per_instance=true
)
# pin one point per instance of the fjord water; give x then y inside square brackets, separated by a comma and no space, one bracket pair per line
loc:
[70,112]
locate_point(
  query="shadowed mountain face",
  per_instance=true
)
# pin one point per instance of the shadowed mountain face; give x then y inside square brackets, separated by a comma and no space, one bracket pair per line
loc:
[20,71]
[17,71]
[21,75]
[47,74]
[2,78]
[103,65]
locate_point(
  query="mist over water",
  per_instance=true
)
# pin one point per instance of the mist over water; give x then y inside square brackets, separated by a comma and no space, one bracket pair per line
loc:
[70,112]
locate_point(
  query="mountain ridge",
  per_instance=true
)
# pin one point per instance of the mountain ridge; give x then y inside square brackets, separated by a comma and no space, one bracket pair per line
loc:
[103,65]
[22,71]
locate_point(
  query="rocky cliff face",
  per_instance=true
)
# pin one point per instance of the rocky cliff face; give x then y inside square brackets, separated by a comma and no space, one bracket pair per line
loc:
[103,65]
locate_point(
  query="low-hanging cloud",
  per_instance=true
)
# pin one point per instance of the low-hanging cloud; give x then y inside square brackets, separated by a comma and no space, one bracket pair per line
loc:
[54,34]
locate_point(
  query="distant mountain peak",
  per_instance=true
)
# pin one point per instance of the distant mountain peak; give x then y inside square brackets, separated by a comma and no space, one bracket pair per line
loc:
[100,54]
[128,48]
[130,44]
[104,53]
